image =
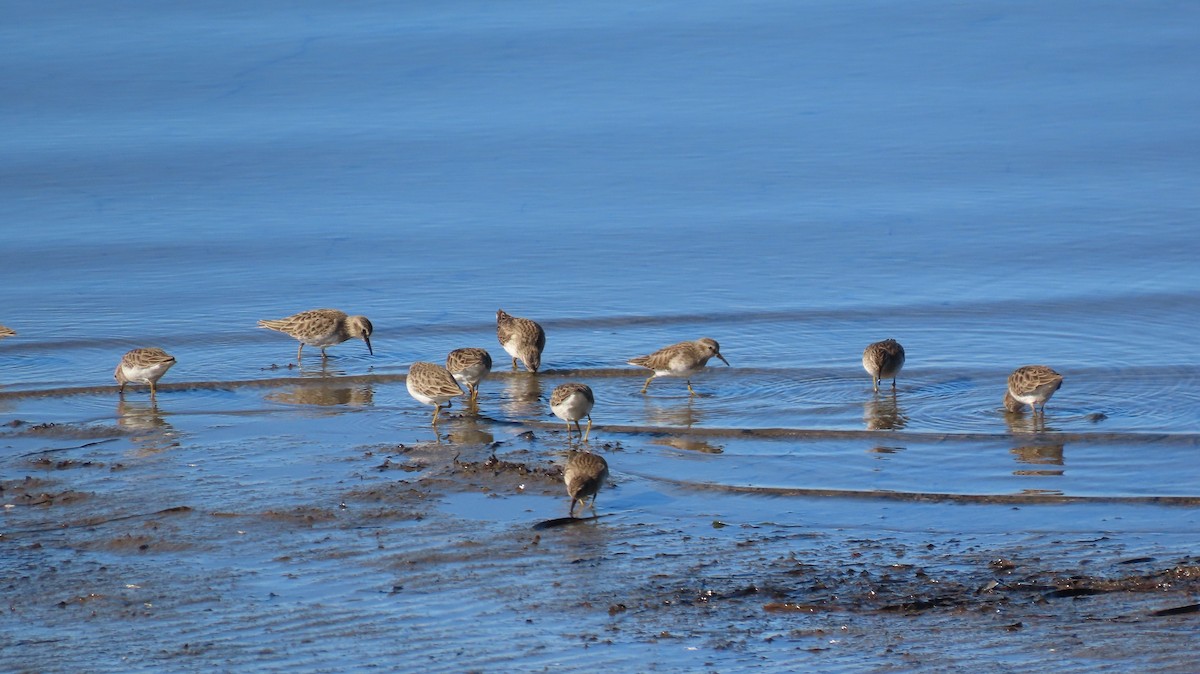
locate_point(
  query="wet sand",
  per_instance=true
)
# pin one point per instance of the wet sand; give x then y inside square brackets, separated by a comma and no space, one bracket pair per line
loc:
[253,539]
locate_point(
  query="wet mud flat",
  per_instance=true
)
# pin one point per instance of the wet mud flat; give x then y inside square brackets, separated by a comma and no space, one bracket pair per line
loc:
[456,557]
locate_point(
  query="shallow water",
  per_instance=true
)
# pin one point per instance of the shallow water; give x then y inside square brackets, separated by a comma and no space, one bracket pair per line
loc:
[992,185]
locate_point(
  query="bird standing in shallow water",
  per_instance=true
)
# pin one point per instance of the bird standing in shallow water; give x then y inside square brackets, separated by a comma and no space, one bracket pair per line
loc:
[883,360]
[1031,385]
[322,328]
[469,366]
[584,474]
[572,402]
[680,360]
[432,384]
[143,366]
[521,338]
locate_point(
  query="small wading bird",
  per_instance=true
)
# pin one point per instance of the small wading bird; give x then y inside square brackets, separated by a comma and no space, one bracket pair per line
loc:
[1031,385]
[572,402]
[584,474]
[883,360]
[143,366]
[432,384]
[469,367]
[680,360]
[322,328]
[522,339]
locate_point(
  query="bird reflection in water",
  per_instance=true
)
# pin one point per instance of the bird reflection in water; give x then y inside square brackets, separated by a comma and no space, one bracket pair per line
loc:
[147,428]
[689,444]
[522,396]
[1035,451]
[317,368]
[466,430]
[325,394]
[660,412]
[882,412]
[1045,455]
[1019,423]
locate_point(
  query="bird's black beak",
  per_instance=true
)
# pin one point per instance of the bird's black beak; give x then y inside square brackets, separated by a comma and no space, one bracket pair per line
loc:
[723,360]
[368,341]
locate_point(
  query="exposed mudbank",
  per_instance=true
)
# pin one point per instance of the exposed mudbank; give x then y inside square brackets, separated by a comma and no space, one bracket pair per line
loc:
[92,534]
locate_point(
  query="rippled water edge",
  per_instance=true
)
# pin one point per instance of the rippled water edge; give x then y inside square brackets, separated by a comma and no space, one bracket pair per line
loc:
[264,539]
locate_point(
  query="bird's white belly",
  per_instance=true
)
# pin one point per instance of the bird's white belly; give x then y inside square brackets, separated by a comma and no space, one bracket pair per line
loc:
[679,367]
[145,374]
[510,347]
[327,339]
[1027,398]
[575,407]
[470,375]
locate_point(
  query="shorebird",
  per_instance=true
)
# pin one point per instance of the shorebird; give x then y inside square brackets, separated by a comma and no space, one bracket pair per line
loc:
[883,360]
[572,402]
[469,367]
[584,474]
[432,384]
[322,328]
[143,366]
[521,338]
[1031,385]
[680,360]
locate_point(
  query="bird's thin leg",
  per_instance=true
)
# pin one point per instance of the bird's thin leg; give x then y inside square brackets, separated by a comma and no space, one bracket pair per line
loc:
[323,354]
[299,352]
[589,428]
[647,385]
[436,409]
[153,391]
[571,512]
[875,383]
[514,364]
[893,383]
[691,392]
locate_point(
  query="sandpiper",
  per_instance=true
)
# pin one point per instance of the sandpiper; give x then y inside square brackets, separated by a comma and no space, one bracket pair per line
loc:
[432,384]
[469,366]
[572,402]
[1031,385]
[883,360]
[521,338]
[680,360]
[322,328]
[584,474]
[143,366]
